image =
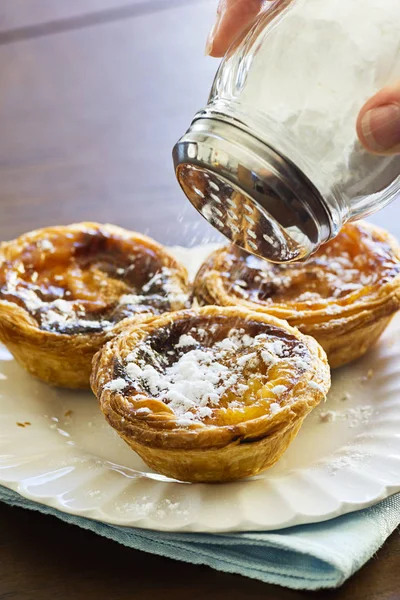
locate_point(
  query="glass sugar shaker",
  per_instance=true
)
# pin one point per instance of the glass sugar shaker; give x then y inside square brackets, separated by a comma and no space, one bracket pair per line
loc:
[273,161]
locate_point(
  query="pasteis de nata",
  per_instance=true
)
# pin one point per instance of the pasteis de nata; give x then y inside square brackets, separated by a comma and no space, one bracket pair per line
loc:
[210,394]
[344,295]
[65,290]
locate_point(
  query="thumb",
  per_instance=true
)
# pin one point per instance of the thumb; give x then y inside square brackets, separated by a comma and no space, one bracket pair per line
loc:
[378,124]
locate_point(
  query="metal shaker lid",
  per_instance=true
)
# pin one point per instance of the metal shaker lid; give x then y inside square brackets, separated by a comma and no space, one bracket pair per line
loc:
[254,196]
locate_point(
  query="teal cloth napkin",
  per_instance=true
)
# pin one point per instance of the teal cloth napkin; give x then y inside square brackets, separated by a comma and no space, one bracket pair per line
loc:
[307,557]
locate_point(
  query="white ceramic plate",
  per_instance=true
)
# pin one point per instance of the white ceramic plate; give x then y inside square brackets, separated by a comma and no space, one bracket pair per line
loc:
[346,456]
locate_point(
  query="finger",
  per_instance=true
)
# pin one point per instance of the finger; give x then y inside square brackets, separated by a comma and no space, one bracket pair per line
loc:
[233,17]
[378,124]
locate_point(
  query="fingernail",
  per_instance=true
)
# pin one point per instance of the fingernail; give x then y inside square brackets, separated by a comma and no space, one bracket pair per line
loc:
[381,128]
[211,35]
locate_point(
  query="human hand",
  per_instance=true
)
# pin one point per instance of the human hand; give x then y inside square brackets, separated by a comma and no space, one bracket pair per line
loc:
[378,123]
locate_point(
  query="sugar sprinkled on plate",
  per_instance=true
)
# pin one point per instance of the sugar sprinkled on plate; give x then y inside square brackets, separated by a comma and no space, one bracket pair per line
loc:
[355,416]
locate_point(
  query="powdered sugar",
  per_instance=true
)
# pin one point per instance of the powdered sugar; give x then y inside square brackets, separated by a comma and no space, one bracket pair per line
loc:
[132,299]
[268,357]
[300,363]
[116,385]
[166,283]
[203,376]
[316,386]
[355,416]
[278,389]
[143,507]
[28,296]
[63,306]
[62,315]
[194,382]
[351,460]
[66,314]
[246,358]
[144,410]
[45,245]
[276,347]
[275,408]
[359,415]
[186,340]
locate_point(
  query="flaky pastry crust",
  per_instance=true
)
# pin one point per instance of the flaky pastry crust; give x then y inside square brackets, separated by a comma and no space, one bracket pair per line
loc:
[64,291]
[344,296]
[153,386]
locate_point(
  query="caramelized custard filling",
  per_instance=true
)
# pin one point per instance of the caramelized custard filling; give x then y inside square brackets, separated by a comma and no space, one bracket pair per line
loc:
[87,281]
[342,269]
[216,373]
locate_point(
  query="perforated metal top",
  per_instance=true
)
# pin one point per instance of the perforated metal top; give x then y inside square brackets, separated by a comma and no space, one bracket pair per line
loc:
[253,196]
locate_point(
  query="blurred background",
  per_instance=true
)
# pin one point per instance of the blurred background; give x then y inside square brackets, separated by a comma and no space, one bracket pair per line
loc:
[93,95]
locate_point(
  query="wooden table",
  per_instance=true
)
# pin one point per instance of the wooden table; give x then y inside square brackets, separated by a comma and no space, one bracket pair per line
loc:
[93,94]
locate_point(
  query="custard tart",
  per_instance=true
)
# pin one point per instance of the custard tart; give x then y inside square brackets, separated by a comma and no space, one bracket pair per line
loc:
[65,290]
[344,295]
[209,394]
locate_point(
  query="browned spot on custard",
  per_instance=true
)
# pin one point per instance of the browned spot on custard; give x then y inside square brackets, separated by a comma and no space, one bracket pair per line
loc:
[90,270]
[345,266]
